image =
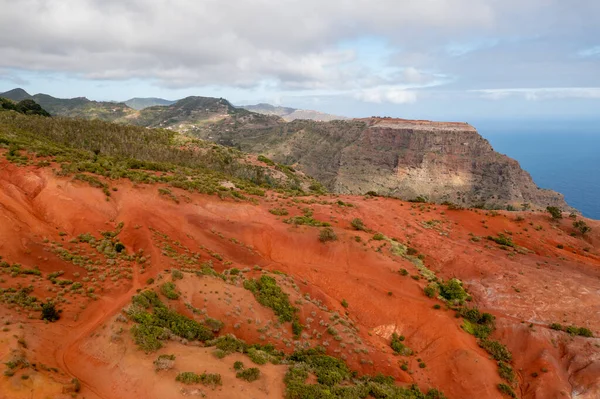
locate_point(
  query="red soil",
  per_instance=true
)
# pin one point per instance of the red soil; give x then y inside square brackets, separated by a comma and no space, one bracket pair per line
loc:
[525,291]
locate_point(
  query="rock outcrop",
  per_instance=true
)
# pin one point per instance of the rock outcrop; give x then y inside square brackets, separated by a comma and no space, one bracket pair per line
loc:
[403,158]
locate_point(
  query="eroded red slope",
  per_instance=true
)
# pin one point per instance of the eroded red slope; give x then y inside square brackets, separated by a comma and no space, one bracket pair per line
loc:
[526,291]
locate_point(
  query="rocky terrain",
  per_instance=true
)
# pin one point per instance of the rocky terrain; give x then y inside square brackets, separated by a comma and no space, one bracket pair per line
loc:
[290,114]
[435,161]
[140,263]
[408,159]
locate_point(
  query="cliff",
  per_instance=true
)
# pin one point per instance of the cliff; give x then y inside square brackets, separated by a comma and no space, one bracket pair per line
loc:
[407,159]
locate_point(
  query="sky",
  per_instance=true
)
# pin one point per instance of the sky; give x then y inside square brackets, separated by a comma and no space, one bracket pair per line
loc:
[459,60]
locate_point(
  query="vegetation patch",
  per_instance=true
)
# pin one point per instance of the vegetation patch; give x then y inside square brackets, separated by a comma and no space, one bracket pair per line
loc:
[158,325]
[336,381]
[269,294]
[306,219]
[397,345]
[573,330]
[188,377]
[251,374]
[327,234]
[502,240]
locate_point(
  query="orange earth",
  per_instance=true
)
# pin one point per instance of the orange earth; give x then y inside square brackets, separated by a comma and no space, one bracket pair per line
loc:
[41,214]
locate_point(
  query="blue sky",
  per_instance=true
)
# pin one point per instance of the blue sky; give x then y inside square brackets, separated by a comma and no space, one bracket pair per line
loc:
[432,59]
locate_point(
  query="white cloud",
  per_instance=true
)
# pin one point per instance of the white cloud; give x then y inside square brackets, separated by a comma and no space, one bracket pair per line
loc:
[535,94]
[298,45]
[590,52]
[392,95]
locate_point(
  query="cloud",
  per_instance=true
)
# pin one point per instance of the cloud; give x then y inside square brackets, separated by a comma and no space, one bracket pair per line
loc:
[590,52]
[536,94]
[386,95]
[372,50]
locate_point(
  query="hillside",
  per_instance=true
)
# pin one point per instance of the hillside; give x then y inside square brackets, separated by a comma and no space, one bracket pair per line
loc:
[141,103]
[290,114]
[79,107]
[153,249]
[408,159]
[440,162]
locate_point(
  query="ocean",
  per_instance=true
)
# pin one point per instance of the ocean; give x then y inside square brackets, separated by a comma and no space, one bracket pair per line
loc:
[563,159]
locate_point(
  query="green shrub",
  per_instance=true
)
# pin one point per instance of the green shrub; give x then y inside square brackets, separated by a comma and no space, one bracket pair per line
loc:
[152,328]
[585,332]
[279,211]
[358,224]
[453,291]
[582,227]
[554,211]
[344,303]
[229,344]
[506,372]
[258,356]
[269,294]
[238,365]
[251,374]
[168,289]
[327,234]
[266,160]
[49,312]
[507,390]
[164,362]
[431,290]
[213,324]
[189,378]
[398,347]
[496,349]
[502,240]
[556,326]
[176,274]
[378,237]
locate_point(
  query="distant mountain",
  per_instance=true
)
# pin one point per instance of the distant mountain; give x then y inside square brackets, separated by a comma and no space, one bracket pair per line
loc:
[79,107]
[195,114]
[17,95]
[141,103]
[290,114]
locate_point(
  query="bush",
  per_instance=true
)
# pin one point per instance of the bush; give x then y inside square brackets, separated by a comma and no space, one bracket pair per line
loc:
[453,291]
[269,294]
[344,303]
[327,234]
[279,211]
[238,365]
[431,290]
[213,324]
[502,240]
[189,378]
[506,372]
[49,312]
[176,274]
[378,237]
[496,349]
[358,224]
[556,326]
[152,328]
[582,227]
[398,347]
[555,212]
[164,362]
[507,390]
[258,356]
[169,290]
[251,374]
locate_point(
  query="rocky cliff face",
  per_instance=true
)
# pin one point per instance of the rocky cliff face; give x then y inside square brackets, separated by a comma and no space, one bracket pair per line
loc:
[402,158]
[441,161]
